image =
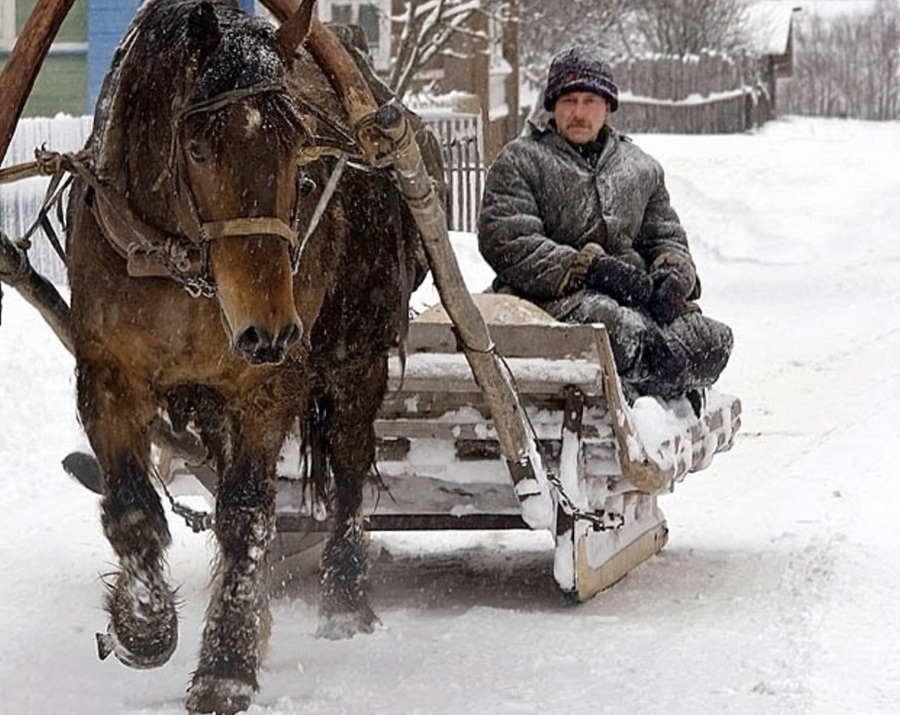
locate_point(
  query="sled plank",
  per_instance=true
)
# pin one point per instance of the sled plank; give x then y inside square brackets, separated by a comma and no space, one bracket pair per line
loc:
[554,341]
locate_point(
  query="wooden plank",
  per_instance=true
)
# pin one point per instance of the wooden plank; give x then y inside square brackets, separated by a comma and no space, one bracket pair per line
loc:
[549,341]
[451,373]
[518,329]
[428,404]
[407,522]
[460,430]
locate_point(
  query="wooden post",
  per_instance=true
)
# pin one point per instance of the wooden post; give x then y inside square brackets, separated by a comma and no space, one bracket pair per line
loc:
[16,270]
[25,60]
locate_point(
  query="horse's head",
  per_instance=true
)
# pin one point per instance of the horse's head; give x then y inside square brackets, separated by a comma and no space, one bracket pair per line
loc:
[235,153]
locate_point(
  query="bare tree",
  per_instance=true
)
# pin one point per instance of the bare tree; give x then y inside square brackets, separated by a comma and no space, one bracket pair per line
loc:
[848,66]
[683,27]
[548,27]
[426,29]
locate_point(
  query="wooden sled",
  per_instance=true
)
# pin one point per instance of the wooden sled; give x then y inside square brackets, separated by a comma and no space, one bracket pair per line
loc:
[445,461]
[440,461]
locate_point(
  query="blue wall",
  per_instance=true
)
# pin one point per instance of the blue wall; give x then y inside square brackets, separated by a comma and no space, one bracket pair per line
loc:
[106,23]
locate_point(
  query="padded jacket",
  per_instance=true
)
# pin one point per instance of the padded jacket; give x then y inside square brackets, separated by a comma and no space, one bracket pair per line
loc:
[547,213]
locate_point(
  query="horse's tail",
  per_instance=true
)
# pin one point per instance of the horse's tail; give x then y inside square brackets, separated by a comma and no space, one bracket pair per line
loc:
[316,463]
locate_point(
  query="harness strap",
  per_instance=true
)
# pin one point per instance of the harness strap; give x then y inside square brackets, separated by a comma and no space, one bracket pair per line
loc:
[264,225]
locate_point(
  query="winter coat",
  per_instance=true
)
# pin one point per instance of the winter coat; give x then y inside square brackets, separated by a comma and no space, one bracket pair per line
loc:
[547,213]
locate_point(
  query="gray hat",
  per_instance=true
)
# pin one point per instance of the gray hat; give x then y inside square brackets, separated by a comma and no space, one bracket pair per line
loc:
[580,69]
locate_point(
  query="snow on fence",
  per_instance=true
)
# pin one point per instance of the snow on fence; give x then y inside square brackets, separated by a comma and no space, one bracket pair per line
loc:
[707,93]
[460,136]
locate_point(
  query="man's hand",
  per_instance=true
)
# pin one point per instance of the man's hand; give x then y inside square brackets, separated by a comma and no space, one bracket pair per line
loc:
[669,298]
[621,281]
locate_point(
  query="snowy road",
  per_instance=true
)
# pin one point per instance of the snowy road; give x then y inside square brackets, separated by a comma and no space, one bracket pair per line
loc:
[776,594]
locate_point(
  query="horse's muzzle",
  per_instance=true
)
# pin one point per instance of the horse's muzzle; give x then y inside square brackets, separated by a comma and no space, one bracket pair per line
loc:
[258,346]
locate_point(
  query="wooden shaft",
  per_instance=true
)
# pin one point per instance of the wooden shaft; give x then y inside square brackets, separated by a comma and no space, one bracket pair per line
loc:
[335,61]
[427,210]
[25,60]
[16,270]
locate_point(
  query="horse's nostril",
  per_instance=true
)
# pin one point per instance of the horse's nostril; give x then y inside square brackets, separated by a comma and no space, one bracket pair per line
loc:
[249,341]
[257,345]
[290,335]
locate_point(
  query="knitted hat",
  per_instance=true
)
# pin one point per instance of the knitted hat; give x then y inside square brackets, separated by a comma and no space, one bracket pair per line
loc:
[580,69]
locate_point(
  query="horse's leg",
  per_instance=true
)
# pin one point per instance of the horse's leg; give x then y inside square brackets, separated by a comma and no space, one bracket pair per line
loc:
[238,619]
[143,625]
[354,397]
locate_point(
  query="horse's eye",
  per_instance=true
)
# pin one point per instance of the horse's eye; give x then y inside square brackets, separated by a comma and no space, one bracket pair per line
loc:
[305,185]
[199,152]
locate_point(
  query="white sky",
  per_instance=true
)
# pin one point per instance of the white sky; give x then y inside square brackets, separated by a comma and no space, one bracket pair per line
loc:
[776,594]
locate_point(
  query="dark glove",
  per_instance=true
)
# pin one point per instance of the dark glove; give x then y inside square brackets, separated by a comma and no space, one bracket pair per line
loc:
[669,298]
[621,281]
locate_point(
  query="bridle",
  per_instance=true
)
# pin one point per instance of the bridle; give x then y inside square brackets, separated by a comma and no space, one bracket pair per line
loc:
[152,252]
[202,232]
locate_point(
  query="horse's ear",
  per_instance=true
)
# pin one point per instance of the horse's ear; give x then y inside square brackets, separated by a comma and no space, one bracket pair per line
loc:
[295,29]
[203,29]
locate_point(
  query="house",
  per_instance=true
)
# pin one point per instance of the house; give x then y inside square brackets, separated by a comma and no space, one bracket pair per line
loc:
[771,24]
[60,87]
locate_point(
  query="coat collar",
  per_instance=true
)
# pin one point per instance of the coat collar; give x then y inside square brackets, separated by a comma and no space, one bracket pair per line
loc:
[542,127]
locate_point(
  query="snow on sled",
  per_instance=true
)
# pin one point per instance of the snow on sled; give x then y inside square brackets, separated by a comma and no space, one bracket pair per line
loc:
[440,462]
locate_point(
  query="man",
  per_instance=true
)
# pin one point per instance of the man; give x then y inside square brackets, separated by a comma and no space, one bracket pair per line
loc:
[577,219]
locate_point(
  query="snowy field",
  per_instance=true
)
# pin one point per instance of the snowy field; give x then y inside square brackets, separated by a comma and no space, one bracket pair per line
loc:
[777,593]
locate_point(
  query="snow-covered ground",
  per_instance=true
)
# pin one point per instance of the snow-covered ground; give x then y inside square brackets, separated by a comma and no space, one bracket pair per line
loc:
[776,594]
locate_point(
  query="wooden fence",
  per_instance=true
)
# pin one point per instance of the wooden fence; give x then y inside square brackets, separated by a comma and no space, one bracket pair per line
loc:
[20,201]
[698,94]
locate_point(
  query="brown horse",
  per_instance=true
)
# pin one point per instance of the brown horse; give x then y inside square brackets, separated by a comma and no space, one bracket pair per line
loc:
[196,298]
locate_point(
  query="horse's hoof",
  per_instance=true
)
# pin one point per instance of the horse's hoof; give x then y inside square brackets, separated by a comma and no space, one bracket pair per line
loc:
[338,626]
[222,696]
[139,653]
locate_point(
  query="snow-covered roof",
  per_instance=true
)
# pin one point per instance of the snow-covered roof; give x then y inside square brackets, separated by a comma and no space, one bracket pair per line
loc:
[770,24]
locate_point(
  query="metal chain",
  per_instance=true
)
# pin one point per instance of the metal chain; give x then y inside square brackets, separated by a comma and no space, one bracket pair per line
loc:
[197,520]
[600,519]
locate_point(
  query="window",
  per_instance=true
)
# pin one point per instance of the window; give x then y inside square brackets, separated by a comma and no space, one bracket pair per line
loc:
[372,16]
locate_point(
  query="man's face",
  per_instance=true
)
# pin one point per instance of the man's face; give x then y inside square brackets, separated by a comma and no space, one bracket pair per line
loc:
[579,116]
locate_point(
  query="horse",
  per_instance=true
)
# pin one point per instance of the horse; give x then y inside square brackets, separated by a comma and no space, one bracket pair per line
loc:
[228,276]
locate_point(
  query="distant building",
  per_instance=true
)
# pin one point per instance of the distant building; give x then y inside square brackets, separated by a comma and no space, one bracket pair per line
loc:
[772,33]
[61,85]
[73,71]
